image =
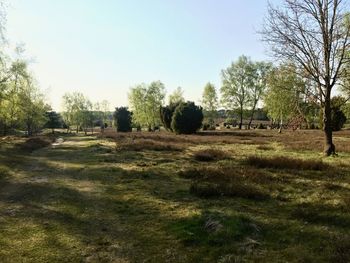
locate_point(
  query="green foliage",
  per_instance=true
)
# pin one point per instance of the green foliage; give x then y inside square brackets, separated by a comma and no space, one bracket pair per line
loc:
[54,120]
[122,119]
[166,115]
[210,102]
[282,94]
[22,104]
[176,97]
[187,118]
[77,111]
[244,83]
[231,121]
[145,101]
[346,109]
[338,116]
[236,82]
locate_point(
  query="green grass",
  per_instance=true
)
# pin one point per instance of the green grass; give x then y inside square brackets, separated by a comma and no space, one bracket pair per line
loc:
[90,200]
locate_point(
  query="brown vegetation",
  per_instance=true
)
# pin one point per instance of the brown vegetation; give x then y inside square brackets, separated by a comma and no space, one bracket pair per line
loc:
[212,154]
[35,143]
[286,163]
[226,182]
[147,144]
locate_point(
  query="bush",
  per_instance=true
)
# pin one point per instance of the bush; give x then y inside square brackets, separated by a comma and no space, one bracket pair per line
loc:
[338,116]
[187,118]
[338,119]
[166,115]
[122,117]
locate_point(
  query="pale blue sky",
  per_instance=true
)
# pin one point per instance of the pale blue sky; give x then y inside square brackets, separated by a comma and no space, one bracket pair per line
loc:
[103,47]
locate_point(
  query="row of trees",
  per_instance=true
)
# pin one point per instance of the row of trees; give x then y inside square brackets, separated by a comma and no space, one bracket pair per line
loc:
[79,112]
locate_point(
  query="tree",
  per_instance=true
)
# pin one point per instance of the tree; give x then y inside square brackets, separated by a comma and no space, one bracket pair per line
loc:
[177,96]
[281,96]
[187,118]
[105,109]
[256,91]
[210,102]
[54,120]
[86,114]
[312,35]
[10,110]
[33,109]
[22,104]
[145,102]
[77,111]
[237,79]
[122,119]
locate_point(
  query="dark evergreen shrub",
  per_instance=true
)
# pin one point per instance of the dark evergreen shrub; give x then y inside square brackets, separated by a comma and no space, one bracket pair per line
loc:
[122,117]
[166,115]
[187,118]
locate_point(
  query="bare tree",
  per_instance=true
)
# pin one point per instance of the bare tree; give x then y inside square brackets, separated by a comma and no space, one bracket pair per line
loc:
[314,36]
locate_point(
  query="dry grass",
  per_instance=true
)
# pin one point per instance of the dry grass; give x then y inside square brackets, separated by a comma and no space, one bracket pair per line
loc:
[82,201]
[312,140]
[227,182]
[202,138]
[286,163]
[213,154]
[147,144]
[264,148]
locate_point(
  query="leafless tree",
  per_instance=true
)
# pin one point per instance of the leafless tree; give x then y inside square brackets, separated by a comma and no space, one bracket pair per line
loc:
[315,36]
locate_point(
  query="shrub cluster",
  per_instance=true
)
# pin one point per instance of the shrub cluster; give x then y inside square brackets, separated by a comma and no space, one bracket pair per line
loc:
[122,118]
[182,118]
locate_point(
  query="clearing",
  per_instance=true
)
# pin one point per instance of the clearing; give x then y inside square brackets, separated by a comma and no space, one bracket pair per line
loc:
[238,196]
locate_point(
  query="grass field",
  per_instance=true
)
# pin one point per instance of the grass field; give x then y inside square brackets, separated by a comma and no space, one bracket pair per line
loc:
[238,196]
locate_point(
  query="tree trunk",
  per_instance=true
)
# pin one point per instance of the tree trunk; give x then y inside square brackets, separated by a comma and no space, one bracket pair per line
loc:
[241,119]
[329,148]
[281,125]
[251,117]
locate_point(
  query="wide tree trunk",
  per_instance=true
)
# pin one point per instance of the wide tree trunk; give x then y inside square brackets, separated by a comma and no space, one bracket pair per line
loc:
[329,148]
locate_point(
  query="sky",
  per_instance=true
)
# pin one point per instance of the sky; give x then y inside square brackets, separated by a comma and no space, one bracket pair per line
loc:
[103,47]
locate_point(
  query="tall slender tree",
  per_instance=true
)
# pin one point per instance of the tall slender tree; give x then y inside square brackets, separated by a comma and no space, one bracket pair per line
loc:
[145,102]
[237,80]
[210,102]
[259,85]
